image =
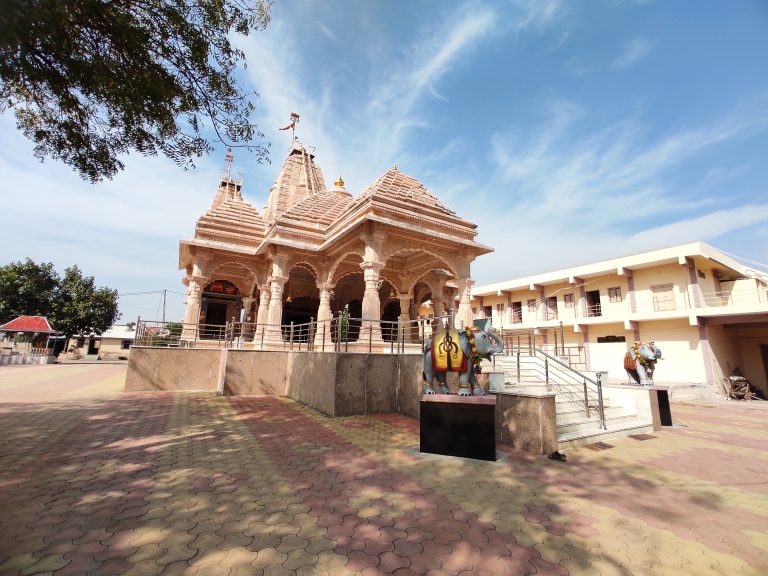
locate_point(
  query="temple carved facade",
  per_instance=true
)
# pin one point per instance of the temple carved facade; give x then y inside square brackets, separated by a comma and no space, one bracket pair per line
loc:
[314,250]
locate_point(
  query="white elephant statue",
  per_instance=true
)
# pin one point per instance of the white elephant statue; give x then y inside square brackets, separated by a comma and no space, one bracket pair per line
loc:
[459,351]
[640,362]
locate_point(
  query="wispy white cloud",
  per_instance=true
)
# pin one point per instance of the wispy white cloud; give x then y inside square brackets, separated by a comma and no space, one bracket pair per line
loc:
[360,138]
[706,227]
[328,32]
[536,15]
[608,192]
[632,52]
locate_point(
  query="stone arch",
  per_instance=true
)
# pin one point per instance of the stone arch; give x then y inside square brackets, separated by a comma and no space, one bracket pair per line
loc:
[218,272]
[398,248]
[303,262]
[340,262]
[423,275]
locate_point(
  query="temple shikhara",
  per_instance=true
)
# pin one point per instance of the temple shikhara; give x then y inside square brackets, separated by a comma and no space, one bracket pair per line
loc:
[315,250]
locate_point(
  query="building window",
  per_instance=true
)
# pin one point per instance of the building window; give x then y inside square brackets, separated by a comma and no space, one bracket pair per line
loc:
[80,342]
[663,297]
[593,303]
[614,294]
[552,308]
[531,305]
[488,311]
[701,274]
[125,344]
[568,300]
[517,312]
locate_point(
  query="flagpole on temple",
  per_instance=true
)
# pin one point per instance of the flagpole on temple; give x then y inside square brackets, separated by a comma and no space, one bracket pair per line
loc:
[292,126]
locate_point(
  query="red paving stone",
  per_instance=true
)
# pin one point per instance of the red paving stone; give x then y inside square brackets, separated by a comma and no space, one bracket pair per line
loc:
[93,481]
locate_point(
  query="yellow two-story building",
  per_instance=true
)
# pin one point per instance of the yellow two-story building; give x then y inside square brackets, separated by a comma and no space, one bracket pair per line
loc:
[707,313]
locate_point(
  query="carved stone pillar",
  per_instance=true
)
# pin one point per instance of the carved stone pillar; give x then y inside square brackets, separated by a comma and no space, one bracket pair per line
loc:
[371,302]
[195,286]
[464,313]
[275,310]
[324,314]
[246,314]
[405,315]
[247,318]
[262,311]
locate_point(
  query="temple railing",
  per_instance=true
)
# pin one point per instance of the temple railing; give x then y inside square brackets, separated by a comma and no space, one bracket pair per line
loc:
[339,334]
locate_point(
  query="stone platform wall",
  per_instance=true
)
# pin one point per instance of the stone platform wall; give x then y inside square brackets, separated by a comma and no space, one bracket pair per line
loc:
[336,384]
[342,384]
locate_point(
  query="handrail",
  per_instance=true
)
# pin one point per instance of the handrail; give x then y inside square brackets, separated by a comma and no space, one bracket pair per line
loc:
[596,383]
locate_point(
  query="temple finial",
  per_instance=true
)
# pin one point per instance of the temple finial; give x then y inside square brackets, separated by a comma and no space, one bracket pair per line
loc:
[229,157]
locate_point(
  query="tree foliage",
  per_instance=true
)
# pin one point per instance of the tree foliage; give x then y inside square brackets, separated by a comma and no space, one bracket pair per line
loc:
[72,303]
[82,308]
[26,288]
[90,80]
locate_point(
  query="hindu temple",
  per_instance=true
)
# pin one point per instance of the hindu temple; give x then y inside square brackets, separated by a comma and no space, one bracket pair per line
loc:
[314,250]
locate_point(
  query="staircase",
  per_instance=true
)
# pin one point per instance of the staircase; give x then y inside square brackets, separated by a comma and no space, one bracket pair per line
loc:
[578,399]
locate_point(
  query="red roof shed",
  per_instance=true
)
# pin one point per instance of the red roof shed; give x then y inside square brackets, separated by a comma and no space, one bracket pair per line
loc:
[38,324]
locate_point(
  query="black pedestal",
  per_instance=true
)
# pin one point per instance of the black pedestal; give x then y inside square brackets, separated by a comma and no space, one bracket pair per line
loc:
[458,426]
[665,412]
[660,410]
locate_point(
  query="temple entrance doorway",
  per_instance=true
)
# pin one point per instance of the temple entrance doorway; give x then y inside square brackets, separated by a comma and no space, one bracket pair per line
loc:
[220,303]
[390,314]
[301,300]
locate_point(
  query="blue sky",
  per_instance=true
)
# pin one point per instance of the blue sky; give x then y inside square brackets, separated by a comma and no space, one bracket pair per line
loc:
[568,131]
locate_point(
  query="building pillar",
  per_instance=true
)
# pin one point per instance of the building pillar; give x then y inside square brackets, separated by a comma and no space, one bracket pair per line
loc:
[246,314]
[275,309]
[405,315]
[371,302]
[631,294]
[247,318]
[262,311]
[324,315]
[195,286]
[694,290]
[464,314]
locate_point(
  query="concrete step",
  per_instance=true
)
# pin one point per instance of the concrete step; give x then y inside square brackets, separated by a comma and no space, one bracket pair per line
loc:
[596,434]
[573,415]
[613,422]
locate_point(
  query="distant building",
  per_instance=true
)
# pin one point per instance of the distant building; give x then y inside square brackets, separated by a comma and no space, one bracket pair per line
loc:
[27,340]
[707,313]
[113,343]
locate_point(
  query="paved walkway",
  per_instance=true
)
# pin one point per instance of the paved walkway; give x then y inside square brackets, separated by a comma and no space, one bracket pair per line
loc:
[95,481]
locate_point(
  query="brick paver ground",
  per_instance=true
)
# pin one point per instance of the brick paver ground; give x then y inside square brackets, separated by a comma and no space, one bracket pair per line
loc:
[96,481]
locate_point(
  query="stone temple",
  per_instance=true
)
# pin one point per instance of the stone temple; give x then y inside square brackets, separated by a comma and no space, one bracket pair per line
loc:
[314,250]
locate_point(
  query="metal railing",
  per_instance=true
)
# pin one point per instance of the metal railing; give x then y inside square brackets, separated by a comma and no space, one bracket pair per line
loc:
[539,367]
[339,334]
[733,298]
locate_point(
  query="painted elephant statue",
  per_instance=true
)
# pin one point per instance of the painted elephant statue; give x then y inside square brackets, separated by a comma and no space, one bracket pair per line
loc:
[459,351]
[640,362]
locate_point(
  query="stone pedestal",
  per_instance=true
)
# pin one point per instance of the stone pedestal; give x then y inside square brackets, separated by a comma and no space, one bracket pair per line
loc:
[495,380]
[462,426]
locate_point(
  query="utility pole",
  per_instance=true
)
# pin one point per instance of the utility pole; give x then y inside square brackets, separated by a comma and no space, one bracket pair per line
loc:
[164,292]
